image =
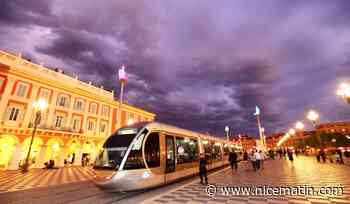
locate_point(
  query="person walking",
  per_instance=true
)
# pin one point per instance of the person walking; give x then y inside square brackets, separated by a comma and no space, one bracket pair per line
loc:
[323,155]
[262,158]
[258,159]
[252,158]
[203,169]
[290,155]
[233,160]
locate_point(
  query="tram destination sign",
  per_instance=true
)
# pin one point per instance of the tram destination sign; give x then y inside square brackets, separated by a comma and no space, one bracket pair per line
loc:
[128,131]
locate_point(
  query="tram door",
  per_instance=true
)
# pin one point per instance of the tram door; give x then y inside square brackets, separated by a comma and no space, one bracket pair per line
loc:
[170,154]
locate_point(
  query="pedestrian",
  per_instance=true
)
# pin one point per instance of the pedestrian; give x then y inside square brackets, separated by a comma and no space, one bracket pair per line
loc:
[258,159]
[203,169]
[290,155]
[252,158]
[233,160]
[245,156]
[280,153]
[323,155]
[262,158]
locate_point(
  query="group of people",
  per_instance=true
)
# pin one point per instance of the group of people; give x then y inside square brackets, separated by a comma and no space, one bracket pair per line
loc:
[257,159]
[333,156]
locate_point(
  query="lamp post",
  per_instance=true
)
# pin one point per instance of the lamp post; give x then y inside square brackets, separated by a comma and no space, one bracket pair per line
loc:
[344,92]
[300,126]
[257,114]
[314,117]
[39,106]
[227,129]
[122,79]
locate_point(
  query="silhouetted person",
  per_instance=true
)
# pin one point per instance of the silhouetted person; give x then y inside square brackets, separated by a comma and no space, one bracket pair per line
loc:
[203,169]
[323,156]
[245,156]
[290,155]
[233,160]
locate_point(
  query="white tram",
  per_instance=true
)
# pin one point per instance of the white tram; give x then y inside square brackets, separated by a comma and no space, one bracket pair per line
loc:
[146,155]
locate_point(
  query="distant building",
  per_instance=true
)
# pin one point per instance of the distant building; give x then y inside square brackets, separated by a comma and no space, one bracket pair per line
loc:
[77,121]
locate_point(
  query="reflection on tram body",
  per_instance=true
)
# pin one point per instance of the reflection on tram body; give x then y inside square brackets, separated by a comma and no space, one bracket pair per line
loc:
[145,155]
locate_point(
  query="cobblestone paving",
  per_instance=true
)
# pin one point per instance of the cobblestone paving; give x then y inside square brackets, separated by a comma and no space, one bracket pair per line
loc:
[16,180]
[304,171]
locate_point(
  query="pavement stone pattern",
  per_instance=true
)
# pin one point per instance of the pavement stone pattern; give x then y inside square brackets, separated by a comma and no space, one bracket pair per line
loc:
[16,180]
[303,171]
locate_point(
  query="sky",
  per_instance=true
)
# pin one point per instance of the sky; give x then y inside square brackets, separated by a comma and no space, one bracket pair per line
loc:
[197,64]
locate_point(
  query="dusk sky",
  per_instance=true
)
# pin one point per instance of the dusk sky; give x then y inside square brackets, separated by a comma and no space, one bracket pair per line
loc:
[199,64]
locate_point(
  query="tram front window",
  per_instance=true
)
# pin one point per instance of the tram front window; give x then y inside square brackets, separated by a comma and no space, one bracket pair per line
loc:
[115,149]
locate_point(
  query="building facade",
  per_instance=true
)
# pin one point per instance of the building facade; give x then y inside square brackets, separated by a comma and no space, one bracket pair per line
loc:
[73,127]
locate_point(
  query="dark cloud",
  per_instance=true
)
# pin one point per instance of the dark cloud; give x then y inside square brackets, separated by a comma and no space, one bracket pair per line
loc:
[197,64]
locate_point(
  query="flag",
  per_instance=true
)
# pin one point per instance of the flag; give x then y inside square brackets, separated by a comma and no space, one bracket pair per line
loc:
[257,110]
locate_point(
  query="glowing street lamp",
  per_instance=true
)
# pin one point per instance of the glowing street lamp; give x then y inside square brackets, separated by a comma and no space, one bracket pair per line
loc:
[313,117]
[227,129]
[299,125]
[291,132]
[39,106]
[344,92]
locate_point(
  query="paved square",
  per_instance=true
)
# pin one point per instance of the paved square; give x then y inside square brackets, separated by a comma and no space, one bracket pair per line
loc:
[16,180]
[303,171]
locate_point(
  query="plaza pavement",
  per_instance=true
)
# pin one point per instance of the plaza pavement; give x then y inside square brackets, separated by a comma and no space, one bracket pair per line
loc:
[16,180]
[303,171]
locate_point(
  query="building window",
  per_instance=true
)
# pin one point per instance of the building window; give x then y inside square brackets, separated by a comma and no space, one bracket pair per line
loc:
[45,93]
[79,105]
[59,121]
[91,125]
[103,127]
[62,101]
[76,124]
[21,90]
[93,108]
[14,112]
[105,111]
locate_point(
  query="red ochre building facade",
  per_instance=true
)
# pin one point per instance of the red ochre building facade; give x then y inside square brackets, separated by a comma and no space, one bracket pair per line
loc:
[77,121]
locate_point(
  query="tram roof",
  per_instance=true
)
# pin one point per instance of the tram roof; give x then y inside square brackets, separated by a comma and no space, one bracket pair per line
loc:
[166,127]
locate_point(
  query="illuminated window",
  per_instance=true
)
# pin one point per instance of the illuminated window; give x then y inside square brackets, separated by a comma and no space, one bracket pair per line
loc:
[103,127]
[59,121]
[152,152]
[76,123]
[105,111]
[45,94]
[93,108]
[14,112]
[62,101]
[187,150]
[21,90]
[79,105]
[91,125]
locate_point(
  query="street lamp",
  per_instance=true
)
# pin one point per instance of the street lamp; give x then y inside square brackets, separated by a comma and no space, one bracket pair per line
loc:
[122,76]
[291,132]
[299,125]
[313,117]
[39,106]
[344,92]
[227,129]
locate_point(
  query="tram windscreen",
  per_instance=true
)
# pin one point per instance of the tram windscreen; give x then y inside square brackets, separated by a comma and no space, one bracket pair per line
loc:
[115,148]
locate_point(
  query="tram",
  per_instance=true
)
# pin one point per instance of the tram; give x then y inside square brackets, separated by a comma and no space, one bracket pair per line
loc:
[150,154]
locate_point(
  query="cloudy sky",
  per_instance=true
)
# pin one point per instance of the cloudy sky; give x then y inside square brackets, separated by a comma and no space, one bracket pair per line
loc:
[197,64]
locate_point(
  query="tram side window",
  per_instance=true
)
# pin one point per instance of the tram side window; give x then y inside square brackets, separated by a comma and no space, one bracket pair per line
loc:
[187,150]
[217,154]
[152,150]
[135,160]
[208,151]
[226,150]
